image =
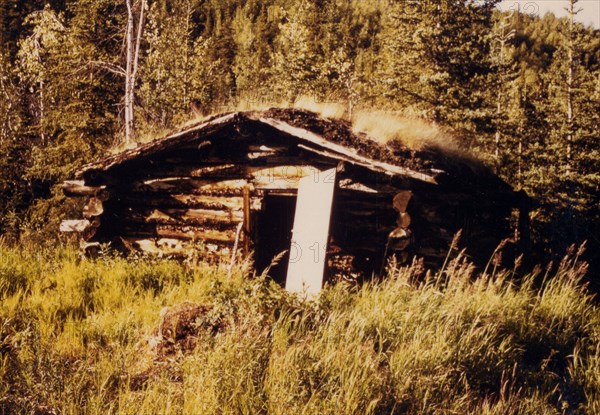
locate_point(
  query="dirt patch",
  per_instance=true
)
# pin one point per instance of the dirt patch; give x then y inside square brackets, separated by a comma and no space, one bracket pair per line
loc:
[179,332]
[181,325]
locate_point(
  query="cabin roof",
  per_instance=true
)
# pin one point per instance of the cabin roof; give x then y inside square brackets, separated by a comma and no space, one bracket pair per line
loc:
[331,138]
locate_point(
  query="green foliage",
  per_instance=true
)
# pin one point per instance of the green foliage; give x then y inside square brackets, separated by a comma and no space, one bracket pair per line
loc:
[295,59]
[175,74]
[79,335]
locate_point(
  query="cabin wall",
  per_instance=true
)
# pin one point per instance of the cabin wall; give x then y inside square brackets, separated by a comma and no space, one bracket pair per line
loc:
[202,210]
[193,197]
[202,191]
[201,199]
[203,215]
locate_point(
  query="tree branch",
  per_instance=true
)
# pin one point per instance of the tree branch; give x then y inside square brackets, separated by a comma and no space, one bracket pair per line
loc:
[111,67]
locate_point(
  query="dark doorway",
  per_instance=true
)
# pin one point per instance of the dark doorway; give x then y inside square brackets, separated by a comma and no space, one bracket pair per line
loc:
[274,234]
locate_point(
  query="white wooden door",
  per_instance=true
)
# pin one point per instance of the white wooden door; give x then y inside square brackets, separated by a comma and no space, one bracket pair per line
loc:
[310,233]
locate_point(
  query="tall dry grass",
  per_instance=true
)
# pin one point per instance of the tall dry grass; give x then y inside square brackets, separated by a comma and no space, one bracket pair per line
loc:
[79,336]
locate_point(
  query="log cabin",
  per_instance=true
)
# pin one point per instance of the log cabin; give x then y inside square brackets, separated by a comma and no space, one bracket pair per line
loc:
[257,182]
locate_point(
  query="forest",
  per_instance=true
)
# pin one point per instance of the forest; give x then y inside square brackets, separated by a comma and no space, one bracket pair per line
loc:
[81,78]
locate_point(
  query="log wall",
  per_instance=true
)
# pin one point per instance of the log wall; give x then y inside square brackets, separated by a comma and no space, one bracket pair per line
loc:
[205,197]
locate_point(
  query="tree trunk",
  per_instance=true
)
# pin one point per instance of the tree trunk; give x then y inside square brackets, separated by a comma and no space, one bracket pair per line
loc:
[571,11]
[128,78]
[503,38]
[131,66]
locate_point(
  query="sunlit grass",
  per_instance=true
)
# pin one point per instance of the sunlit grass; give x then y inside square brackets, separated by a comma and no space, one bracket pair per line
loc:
[412,132]
[80,336]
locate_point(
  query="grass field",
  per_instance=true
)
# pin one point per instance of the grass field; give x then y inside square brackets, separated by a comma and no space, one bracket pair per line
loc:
[141,336]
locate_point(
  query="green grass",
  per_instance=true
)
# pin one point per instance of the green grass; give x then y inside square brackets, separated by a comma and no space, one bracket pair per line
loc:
[79,336]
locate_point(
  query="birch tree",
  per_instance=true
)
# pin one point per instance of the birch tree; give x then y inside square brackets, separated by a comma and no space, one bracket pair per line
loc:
[133,38]
[501,61]
[128,70]
[572,12]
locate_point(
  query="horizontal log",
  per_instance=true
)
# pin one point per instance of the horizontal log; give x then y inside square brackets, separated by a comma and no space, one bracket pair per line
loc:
[201,167]
[185,233]
[177,248]
[291,171]
[164,170]
[210,218]
[357,186]
[275,184]
[198,234]
[182,217]
[225,215]
[77,188]
[166,201]
[74,225]
[286,176]
[190,186]
[158,216]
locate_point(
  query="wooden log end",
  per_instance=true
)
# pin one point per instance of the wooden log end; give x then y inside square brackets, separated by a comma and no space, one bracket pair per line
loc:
[74,225]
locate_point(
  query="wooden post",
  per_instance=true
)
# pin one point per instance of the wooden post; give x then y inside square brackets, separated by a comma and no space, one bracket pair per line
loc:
[246,195]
